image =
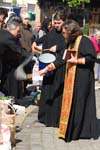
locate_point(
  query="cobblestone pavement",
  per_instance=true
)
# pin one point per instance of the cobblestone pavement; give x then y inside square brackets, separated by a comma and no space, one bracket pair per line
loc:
[35,136]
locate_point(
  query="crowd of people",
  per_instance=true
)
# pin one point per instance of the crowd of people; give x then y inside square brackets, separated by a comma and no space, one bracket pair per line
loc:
[67,98]
[18,34]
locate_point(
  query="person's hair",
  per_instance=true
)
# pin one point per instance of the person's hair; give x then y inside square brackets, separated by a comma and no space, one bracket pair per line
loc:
[13,23]
[15,18]
[72,28]
[45,24]
[59,8]
[60,13]
[3,11]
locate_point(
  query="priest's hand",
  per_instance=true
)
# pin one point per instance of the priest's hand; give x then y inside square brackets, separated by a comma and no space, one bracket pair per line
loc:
[42,72]
[72,59]
[53,48]
[76,60]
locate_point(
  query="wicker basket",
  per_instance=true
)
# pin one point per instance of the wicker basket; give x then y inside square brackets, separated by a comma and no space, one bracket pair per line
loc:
[8,119]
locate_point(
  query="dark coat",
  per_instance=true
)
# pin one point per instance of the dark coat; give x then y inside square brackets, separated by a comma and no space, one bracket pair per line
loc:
[11,55]
[52,89]
[27,37]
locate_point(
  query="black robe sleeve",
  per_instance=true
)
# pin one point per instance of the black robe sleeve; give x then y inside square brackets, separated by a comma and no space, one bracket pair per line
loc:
[88,51]
[15,47]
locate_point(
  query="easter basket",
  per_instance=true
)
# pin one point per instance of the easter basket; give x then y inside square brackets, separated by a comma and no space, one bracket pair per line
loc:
[7,117]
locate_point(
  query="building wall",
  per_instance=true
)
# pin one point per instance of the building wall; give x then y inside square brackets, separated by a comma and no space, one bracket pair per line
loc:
[24,3]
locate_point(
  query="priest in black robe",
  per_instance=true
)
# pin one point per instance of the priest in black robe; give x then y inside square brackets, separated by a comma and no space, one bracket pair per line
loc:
[52,88]
[78,113]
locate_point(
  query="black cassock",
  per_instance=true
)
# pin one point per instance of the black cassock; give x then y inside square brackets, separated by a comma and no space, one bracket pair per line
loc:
[52,89]
[82,121]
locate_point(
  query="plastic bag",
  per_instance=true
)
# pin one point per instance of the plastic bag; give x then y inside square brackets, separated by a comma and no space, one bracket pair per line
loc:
[36,79]
[5,143]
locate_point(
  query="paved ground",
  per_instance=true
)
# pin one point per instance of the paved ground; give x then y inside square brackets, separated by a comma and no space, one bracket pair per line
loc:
[35,136]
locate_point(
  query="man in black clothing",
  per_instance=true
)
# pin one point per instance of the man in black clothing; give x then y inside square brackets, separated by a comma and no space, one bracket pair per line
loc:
[52,89]
[3,15]
[11,55]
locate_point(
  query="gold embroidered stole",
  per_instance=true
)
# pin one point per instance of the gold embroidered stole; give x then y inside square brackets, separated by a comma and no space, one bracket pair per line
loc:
[68,93]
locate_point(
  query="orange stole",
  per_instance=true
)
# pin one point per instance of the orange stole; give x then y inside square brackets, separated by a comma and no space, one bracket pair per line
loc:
[68,93]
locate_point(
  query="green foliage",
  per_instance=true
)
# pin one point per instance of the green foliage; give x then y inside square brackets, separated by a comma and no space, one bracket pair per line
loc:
[76,3]
[85,29]
[71,3]
[42,3]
